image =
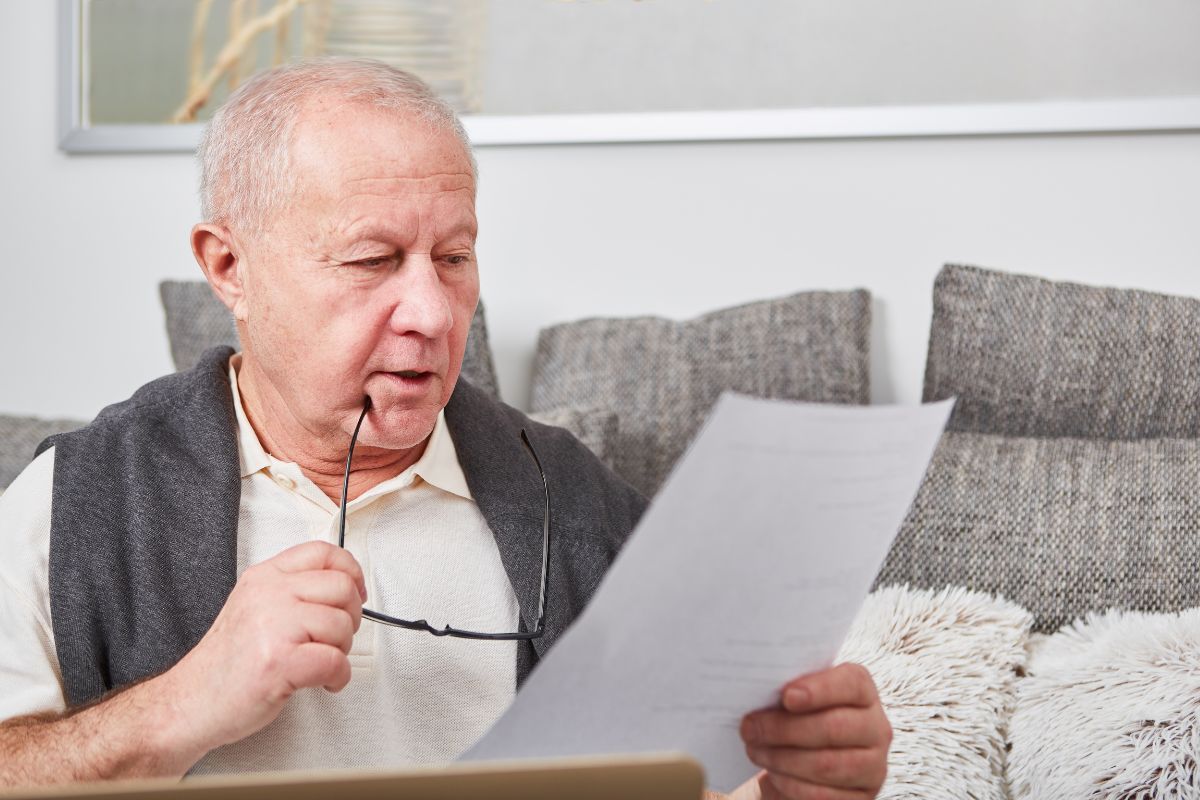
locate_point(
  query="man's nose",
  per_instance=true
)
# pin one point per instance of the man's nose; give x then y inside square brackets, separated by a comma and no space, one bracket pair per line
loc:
[421,303]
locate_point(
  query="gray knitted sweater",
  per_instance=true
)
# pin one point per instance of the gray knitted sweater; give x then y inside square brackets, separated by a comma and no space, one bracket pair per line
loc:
[143,541]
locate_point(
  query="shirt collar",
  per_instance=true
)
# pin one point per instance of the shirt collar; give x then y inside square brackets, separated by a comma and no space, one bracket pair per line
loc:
[437,466]
[251,455]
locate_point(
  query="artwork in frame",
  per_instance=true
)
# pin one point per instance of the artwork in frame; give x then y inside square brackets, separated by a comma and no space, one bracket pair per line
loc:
[144,75]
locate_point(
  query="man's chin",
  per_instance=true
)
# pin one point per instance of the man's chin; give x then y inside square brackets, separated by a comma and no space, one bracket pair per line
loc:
[396,427]
[403,410]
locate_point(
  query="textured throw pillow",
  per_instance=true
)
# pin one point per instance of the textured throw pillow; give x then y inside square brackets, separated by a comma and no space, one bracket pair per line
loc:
[19,438]
[197,320]
[477,365]
[1061,526]
[595,427]
[1031,357]
[661,377]
[1110,710]
[945,664]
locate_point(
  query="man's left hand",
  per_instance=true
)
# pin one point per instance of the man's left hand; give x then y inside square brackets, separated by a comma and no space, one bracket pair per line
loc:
[828,740]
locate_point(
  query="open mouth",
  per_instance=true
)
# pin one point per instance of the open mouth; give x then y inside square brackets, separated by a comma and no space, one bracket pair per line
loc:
[410,379]
[416,382]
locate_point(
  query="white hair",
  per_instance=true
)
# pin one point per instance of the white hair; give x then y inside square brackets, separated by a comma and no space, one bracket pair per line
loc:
[244,154]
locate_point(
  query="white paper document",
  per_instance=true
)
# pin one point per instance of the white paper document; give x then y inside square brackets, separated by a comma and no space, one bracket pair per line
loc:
[745,572]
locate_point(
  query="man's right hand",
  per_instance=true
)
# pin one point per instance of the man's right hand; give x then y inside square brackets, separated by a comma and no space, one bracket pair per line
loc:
[288,624]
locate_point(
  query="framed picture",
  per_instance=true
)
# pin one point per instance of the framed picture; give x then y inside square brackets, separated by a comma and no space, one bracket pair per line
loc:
[144,75]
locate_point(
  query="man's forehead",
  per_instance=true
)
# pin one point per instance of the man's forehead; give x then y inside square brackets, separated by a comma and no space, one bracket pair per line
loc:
[355,147]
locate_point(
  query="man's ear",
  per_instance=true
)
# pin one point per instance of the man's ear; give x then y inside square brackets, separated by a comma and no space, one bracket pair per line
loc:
[220,256]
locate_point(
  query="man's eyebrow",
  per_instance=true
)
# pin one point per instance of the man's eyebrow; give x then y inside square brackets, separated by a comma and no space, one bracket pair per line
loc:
[467,227]
[370,232]
[364,233]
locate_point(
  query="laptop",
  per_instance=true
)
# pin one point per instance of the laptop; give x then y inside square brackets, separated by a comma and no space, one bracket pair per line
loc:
[666,776]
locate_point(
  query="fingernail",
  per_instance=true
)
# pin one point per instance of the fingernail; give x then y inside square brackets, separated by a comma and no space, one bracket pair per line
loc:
[796,699]
[751,730]
[362,591]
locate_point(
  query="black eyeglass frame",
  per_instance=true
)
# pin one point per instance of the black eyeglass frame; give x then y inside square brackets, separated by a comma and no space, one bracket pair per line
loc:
[423,625]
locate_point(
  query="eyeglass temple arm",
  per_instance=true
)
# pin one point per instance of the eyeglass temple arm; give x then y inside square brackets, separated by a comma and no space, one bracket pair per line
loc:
[346,480]
[541,617]
[422,624]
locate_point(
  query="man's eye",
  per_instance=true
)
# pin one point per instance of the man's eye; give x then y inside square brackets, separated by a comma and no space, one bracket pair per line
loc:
[372,263]
[457,259]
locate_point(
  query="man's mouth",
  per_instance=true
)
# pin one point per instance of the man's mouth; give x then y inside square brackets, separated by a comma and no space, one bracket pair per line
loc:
[409,380]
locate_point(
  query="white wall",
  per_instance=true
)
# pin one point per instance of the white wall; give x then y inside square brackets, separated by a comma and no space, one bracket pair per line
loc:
[596,230]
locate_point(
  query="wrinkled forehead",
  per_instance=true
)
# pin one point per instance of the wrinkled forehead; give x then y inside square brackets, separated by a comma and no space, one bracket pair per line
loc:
[339,149]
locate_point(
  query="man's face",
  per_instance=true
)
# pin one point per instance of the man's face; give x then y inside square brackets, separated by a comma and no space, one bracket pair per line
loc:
[365,281]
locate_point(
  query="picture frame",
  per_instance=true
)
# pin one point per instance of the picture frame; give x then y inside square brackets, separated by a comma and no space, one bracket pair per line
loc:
[77,135]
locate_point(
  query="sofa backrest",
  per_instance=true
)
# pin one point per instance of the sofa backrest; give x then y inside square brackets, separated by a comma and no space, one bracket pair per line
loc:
[1031,357]
[660,377]
[1067,480]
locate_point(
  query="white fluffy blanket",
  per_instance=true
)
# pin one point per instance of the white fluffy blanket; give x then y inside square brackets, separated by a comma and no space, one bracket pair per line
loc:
[1110,709]
[945,664]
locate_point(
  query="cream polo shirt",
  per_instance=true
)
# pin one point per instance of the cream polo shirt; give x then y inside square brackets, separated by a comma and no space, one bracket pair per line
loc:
[427,553]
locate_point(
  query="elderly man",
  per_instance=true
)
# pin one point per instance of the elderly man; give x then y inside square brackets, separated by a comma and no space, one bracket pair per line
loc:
[174,596]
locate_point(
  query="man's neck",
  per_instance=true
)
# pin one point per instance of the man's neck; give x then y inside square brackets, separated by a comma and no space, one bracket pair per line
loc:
[320,454]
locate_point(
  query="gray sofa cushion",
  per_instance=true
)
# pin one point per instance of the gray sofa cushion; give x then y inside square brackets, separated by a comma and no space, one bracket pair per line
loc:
[477,366]
[1061,526]
[1031,357]
[197,320]
[19,438]
[596,428]
[661,377]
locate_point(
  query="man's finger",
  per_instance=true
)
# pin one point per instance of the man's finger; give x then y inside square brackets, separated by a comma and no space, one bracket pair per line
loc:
[843,685]
[328,587]
[320,555]
[782,787]
[327,625]
[835,727]
[847,768]
[315,664]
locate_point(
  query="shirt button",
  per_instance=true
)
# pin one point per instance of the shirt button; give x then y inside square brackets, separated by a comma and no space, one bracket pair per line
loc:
[285,482]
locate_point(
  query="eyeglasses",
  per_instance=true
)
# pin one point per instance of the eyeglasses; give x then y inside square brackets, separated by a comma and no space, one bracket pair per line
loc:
[422,625]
